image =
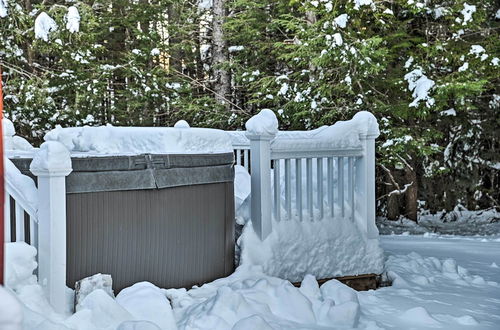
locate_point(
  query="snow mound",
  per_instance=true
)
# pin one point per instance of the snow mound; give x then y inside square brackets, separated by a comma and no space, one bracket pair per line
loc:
[146,302]
[52,156]
[325,249]
[249,299]
[20,258]
[11,140]
[413,270]
[139,140]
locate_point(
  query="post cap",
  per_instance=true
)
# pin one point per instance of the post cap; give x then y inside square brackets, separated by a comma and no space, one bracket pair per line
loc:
[367,124]
[264,123]
[51,159]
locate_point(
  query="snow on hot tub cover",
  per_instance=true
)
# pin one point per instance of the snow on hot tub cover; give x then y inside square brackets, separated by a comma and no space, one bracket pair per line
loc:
[138,140]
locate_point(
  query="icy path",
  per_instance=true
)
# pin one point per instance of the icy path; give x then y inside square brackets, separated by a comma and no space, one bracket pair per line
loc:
[429,293]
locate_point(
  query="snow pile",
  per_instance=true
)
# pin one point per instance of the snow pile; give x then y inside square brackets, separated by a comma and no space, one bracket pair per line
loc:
[20,258]
[44,24]
[420,85]
[73,20]
[325,249]
[11,141]
[145,301]
[249,299]
[264,123]
[139,140]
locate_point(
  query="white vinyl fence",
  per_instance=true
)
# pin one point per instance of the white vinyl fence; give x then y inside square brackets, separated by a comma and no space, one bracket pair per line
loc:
[38,215]
[302,176]
[309,176]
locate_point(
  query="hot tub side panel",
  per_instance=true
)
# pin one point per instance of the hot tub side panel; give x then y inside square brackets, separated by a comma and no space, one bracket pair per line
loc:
[173,237]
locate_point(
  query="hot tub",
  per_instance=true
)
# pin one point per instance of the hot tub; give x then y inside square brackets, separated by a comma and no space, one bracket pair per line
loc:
[163,218]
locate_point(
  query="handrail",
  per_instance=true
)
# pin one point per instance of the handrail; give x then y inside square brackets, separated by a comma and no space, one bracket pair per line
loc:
[17,192]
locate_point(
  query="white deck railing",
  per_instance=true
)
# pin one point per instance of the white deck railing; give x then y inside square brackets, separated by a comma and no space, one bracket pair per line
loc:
[303,176]
[44,209]
[310,175]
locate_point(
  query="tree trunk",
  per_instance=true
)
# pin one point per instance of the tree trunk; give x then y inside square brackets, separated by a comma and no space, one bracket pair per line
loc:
[222,80]
[392,202]
[411,194]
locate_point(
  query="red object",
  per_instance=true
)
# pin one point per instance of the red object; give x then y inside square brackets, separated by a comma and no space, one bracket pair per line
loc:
[2,187]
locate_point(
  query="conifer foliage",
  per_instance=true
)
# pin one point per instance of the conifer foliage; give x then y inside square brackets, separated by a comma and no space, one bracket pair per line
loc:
[428,69]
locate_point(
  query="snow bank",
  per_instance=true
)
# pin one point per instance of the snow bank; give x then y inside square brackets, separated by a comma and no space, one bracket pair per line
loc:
[325,249]
[139,140]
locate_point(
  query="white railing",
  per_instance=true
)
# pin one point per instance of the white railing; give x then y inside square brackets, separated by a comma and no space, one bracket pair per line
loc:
[310,175]
[45,209]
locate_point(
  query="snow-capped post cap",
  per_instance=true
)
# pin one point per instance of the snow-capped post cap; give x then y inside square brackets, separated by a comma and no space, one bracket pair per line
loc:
[367,124]
[263,124]
[181,124]
[53,159]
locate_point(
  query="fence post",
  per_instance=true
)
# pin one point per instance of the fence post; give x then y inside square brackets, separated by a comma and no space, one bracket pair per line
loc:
[51,164]
[365,173]
[261,129]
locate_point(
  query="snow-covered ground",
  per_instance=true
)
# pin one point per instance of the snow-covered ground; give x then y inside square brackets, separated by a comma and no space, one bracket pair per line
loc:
[447,282]
[439,282]
[460,221]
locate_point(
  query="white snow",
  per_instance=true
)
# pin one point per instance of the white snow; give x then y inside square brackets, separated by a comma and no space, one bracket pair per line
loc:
[420,85]
[337,40]
[11,141]
[44,24]
[264,123]
[145,301]
[52,156]
[438,282]
[296,248]
[449,112]
[3,8]
[477,50]
[359,3]
[22,184]
[341,20]
[73,20]
[11,316]
[20,258]
[233,49]
[154,52]
[137,140]
[467,13]
[464,67]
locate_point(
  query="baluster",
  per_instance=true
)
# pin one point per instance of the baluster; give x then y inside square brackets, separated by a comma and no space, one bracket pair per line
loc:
[298,186]
[238,157]
[350,183]
[340,172]
[329,177]
[33,233]
[20,237]
[319,168]
[7,222]
[288,189]
[309,188]
[277,190]
[245,159]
